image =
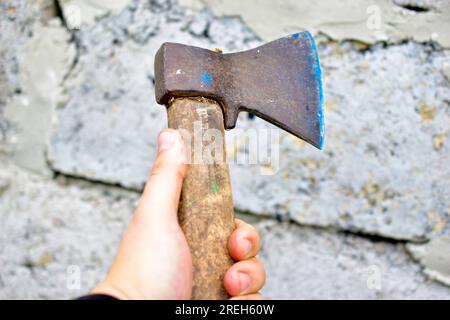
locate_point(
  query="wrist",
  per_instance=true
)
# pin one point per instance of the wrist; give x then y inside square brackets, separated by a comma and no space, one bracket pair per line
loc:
[107,288]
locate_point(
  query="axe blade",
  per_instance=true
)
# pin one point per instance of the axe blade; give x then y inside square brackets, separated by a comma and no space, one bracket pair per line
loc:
[280,82]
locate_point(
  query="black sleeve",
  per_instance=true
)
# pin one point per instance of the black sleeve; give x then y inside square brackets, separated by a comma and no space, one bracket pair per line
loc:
[98,297]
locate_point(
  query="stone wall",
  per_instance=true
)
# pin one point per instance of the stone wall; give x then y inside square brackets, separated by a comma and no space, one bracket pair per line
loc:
[367,217]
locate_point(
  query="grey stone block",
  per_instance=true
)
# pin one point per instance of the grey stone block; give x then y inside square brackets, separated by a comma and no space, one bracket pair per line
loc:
[305,263]
[59,237]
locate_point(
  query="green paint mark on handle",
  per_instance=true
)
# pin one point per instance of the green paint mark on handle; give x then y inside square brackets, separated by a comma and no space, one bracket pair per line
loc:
[215,187]
[189,203]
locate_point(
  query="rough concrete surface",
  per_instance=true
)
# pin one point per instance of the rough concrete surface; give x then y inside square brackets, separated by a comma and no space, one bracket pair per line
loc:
[77,100]
[368,21]
[51,226]
[326,265]
[63,225]
[78,12]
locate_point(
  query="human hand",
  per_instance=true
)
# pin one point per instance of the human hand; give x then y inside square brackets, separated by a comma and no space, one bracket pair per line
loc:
[154,261]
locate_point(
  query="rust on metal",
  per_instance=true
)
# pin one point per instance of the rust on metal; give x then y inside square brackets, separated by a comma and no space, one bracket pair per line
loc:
[279,82]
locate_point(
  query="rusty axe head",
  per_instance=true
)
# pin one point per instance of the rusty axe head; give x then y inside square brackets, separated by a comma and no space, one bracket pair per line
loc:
[280,82]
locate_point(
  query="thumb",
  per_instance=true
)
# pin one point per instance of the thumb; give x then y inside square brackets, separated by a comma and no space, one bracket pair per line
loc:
[162,191]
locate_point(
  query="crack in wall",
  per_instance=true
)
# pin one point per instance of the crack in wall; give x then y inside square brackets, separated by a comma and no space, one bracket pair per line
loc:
[414,8]
[251,216]
[59,14]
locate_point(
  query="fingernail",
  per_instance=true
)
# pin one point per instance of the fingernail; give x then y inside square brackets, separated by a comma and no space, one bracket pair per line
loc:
[248,247]
[166,140]
[244,281]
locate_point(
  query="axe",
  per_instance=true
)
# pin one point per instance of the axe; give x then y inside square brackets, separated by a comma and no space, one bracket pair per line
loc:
[205,90]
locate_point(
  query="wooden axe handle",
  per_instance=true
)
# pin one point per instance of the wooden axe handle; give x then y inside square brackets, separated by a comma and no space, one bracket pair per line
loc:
[206,207]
